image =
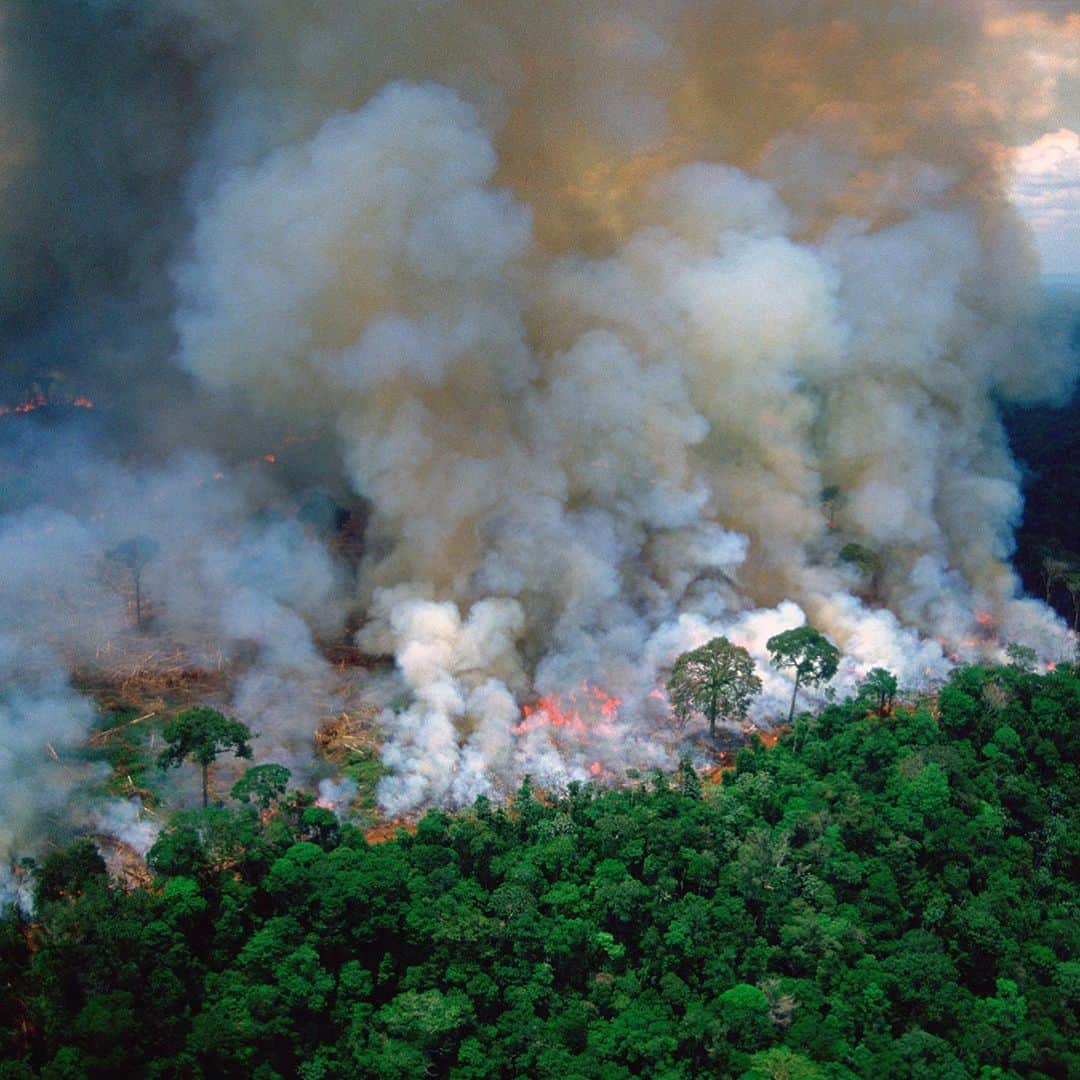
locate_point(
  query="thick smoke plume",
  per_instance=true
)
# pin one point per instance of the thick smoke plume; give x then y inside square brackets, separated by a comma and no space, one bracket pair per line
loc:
[626,318]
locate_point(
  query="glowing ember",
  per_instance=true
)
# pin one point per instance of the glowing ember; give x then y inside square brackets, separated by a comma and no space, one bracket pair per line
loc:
[40,401]
[271,458]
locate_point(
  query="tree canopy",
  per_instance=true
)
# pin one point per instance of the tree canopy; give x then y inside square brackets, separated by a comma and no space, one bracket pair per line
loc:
[879,685]
[716,680]
[879,895]
[262,784]
[201,734]
[813,656]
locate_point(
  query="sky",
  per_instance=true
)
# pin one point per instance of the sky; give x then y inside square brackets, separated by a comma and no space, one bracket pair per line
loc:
[1047,190]
[1046,184]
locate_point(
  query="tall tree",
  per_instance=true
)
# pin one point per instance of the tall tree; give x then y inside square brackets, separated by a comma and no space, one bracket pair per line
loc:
[1071,581]
[813,656]
[135,553]
[201,734]
[1055,564]
[716,680]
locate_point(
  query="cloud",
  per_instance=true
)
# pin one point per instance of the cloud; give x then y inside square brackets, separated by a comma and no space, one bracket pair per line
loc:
[1046,188]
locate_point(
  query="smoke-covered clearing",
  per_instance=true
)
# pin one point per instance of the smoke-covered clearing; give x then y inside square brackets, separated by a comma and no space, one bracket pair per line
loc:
[595,303]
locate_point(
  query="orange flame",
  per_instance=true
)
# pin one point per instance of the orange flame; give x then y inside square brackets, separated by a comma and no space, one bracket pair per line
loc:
[36,402]
[40,401]
[589,710]
[270,458]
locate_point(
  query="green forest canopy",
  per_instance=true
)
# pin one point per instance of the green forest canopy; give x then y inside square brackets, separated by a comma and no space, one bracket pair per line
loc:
[879,895]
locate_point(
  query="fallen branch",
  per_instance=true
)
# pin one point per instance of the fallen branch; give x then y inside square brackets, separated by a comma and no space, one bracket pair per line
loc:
[102,735]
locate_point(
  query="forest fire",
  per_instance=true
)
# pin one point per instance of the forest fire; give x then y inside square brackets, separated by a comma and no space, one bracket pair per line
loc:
[589,710]
[39,401]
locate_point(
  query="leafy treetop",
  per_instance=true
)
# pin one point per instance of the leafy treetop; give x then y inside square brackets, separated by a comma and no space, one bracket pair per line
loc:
[880,685]
[716,679]
[262,784]
[813,656]
[201,734]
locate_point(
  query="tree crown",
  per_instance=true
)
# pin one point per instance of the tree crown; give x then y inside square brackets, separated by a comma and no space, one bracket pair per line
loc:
[813,656]
[716,679]
[201,734]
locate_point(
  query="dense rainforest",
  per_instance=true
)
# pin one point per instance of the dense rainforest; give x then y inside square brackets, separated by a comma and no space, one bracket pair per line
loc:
[887,893]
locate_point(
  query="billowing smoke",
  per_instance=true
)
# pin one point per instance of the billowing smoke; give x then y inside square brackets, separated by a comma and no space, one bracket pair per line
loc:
[636,323]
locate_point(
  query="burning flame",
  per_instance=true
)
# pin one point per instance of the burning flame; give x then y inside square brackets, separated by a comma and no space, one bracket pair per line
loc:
[40,401]
[589,710]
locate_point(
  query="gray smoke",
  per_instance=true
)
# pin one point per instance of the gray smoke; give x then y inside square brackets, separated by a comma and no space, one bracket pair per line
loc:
[626,318]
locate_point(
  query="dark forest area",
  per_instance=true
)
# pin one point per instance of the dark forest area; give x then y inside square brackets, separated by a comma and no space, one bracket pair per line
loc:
[1046,442]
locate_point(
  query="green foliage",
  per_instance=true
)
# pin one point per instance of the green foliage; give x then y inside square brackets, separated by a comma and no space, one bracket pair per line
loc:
[201,734]
[1021,657]
[263,785]
[880,895]
[813,656]
[880,687]
[68,872]
[864,559]
[716,680]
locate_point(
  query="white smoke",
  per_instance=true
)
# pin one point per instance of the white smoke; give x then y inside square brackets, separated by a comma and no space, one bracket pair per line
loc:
[627,320]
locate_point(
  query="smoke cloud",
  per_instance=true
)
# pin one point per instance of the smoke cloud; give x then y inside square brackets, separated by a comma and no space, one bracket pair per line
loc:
[626,319]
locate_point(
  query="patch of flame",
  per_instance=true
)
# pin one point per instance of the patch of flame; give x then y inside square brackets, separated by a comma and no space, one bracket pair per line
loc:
[39,401]
[589,710]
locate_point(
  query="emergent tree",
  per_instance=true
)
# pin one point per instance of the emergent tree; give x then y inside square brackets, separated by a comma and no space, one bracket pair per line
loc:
[716,679]
[813,656]
[135,553]
[201,734]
